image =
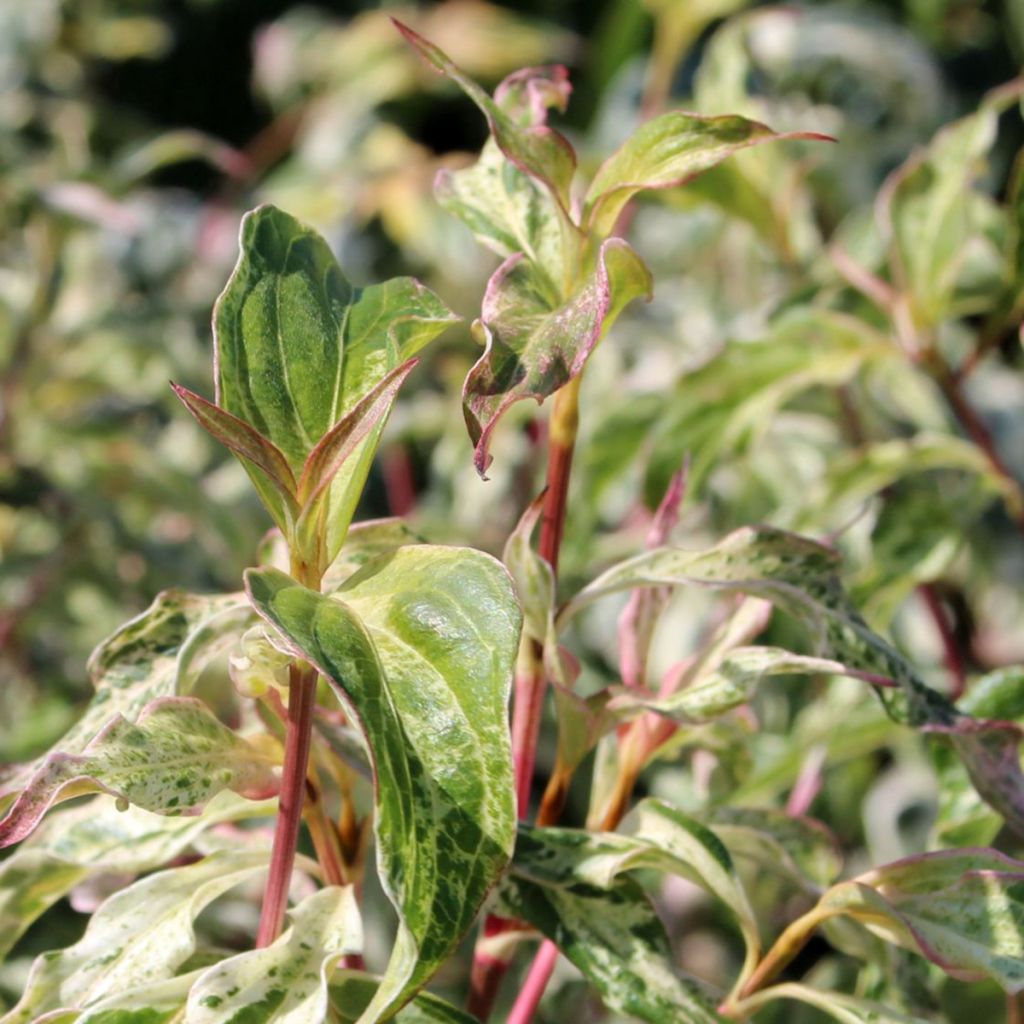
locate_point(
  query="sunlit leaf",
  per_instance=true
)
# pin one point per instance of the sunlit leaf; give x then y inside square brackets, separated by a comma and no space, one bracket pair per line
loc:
[172,760]
[285,982]
[535,347]
[420,644]
[138,937]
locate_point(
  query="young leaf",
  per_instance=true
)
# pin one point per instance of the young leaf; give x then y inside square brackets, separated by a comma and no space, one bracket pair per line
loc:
[93,838]
[527,141]
[139,937]
[420,645]
[611,934]
[157,654]
[285,982]
[838,1005]
[668,151]
[177,756]
[533,347]
[801,577]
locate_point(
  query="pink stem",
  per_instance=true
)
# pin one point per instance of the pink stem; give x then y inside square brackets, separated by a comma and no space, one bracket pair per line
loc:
[536,982]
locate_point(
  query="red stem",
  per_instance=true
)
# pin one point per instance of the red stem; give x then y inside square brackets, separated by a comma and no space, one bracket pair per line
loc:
[536,982]
[301,699]
[950,649]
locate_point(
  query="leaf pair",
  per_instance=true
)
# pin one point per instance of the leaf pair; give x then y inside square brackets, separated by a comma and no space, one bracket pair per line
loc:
[563,281]
[308,368]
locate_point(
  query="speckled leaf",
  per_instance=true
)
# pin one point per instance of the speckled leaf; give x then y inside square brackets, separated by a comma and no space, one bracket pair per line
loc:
[285,982]
[801,848]
[962,909]
[159,653]
[352,992]
[533,348]
[298,346]
[139,937]
[611,934]
[519,129]
[93,838]
[667,151]
[801,577]
[420,645]
[175,758]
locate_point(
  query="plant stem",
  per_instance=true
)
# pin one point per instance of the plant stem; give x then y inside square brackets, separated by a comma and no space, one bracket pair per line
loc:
[325,838]
[532,992]
[531,681]
[950,648]
[301,699]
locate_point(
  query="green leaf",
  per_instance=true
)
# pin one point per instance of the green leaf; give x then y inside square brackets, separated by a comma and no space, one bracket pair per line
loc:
[962,909]
[137,938]
[160,653]
[365,541]
[352,992]
[802,848]
[533,348]
[420,645]
[533,577]
[665,152]
[93,838]
[285,982]
[801,577]
[172,761]
[298,346]
[611,934]
[525,139]
[838,1005]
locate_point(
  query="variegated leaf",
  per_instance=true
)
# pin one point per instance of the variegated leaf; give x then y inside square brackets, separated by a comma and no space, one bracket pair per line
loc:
[93,838]
[137,938]
[801,577]
[159,653]
[285,982]
[611,934]
[420,644]
[175,758]
[535,342]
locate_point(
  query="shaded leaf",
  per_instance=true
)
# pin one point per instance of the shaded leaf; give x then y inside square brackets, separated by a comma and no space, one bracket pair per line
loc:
[352,992]
[420,645]
[533,347]
[285,982]
[801,577]
[138,937]
[174,759]
[838,1005]
[611,934]
[667,151]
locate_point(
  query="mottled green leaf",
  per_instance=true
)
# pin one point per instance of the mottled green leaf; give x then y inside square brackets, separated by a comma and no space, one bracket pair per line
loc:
[95,837]
[160,653]
[962,909]
[175,758]
[366,541]
[611,934]
[801,577]
[298,346]
[665,152]
[138,937]
[523,136]
[533,347]
[420,645]
[802,848]
[352,992]
[285,982]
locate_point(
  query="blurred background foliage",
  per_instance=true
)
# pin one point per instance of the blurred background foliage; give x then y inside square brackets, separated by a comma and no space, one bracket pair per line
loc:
[819,313]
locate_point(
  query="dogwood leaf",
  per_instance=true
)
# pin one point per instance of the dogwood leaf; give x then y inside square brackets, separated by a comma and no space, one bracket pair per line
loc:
[285,982]
[801,577]
[419,645]
[177,756]
[668,151]
[352,992]
[533,348]
[138,937]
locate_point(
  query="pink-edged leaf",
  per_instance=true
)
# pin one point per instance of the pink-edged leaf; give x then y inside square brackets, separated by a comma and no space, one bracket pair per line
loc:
[327,458]
[255,451]
[668,151]
[172,761]
[528,94]
[962,909]
[529,143]
[533,348]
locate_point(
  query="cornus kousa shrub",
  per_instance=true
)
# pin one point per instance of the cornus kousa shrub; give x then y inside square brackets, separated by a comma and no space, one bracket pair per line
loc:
[388,694]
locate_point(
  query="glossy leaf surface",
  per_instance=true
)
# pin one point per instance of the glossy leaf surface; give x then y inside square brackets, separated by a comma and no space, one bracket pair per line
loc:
[420,645]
